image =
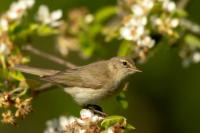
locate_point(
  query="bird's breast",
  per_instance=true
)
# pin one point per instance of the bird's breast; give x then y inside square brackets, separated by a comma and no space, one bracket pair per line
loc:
[85,96]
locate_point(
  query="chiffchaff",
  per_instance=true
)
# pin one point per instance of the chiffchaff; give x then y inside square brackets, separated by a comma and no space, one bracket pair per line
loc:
[90,83]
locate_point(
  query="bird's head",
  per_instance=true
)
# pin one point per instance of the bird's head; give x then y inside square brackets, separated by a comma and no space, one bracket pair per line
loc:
[123,66]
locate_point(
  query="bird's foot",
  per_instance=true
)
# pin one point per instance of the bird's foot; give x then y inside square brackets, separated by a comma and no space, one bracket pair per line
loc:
[96,109]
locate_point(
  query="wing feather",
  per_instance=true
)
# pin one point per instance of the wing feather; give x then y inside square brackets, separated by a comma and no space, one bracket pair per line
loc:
[93,76]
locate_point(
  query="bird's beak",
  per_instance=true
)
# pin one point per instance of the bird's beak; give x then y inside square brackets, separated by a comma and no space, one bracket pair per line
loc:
[134,69]
[137,70]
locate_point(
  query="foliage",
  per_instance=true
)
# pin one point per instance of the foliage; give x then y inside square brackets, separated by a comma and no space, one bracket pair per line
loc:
[137,27]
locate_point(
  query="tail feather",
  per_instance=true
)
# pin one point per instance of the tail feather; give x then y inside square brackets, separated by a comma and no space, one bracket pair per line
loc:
[35,71]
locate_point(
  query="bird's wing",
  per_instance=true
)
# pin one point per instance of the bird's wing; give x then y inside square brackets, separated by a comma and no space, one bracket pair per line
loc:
[35,71]
[90,76]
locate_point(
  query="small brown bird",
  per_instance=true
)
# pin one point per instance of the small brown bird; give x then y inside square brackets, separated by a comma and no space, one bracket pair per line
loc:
[90,83]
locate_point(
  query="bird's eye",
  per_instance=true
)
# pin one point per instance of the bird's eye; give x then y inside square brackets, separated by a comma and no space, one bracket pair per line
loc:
[124,63]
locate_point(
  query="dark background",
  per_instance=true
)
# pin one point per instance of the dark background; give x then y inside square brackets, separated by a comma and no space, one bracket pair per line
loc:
[165,98]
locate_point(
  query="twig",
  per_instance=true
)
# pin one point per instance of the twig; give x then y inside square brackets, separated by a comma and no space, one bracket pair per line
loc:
[125,86]
[182,3]
[99,112]
[50,57]
[190,26]
[187,24]
[42,88]
[16,90]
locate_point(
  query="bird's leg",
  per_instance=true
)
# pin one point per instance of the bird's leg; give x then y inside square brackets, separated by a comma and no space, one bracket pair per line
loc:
[96,109]
[42,88]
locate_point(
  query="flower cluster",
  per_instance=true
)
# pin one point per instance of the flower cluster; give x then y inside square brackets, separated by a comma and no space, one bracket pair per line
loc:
[166,22]
[87,123]
[148,17]
[45,17]
[16,11]
[14,99]
[22,107]
[190,54]
[13,84]
[79,21]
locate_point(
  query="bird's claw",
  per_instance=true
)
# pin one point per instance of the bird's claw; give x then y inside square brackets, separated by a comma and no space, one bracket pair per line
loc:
[96,109]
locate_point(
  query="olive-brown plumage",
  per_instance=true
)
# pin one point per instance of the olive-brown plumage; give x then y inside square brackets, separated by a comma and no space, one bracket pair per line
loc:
[90,83]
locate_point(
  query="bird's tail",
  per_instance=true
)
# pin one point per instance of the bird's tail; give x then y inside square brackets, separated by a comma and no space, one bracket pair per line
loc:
[35,71]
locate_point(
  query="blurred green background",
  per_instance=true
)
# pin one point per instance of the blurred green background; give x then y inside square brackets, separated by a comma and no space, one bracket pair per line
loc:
[165,98]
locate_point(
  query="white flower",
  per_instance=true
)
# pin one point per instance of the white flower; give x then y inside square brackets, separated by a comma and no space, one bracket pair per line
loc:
[63,121]
[46,17]
[51,126]
[89,18]
[71,120]
[3,24]
[148,4]
[82,122]
[137,10]
[139,31]
[146,42]
[132,33]
[28,3]
[96,118]
[126,33]
[169,6]
[17,9]
[196,57]
[86,114]
[174,22]
[136,21]
[110,130]
[158,21]
[50,130]
[82,131]
[4,49]
[86,123]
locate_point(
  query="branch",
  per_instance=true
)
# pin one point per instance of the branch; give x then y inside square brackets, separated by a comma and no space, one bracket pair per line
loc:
[190,26]
[50,57]
[182,3]
[187,24]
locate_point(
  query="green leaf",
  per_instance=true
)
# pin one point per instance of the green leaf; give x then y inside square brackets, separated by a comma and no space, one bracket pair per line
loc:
[17,75]
[124,49]
[25,60]
[3,61]
[192,40]
[87,45]
[95,29]
[3,73]
[22,31]
[14,26]
[1,84]
[45,30]
[105,13]
[121,98]
[124,104]
[181,13]
[129,127]
[112,120]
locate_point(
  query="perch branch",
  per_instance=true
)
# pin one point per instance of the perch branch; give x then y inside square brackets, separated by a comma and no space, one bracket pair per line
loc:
[50,57]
